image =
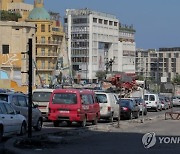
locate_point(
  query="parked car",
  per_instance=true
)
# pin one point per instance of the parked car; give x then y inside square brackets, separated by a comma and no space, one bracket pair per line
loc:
[41,97]
[142,105]
[129,108]
[169,101]
[164,102]
[109,109]
[152,101]
[10,122]
[176,101]
[73,105]
[19,102]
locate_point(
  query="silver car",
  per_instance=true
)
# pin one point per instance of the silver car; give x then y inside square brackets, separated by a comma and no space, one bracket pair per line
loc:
[19,102]
[176,101]
[10,122]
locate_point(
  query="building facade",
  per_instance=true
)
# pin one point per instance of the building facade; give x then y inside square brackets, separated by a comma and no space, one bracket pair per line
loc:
[17,6]
[13,41]
[92,41]
[155,64]
[50,40]
[127,49]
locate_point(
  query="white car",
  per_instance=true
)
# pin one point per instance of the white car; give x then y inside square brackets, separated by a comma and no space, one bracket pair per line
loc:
[109,109]
[176,101]
[10,122]
[153,101]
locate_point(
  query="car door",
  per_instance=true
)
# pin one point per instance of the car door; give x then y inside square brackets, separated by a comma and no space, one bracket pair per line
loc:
[86,106]
[15,122]
[7,119]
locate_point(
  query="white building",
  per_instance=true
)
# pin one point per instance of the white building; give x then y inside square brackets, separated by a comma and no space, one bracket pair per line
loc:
[93,40]
[127,49]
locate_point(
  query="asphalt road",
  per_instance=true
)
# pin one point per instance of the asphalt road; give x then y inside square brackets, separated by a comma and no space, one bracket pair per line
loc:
[105,139]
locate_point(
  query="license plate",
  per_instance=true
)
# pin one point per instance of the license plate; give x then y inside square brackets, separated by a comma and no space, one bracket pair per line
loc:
[64,111]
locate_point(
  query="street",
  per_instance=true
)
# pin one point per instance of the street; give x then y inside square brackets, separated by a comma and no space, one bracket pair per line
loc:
[107,138]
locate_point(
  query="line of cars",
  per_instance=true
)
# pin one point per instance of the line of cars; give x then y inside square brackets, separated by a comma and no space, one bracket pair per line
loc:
[14,114]
[81,106]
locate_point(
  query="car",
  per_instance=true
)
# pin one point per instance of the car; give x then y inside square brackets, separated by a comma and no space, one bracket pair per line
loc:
[109,109]
[129,108]
[164,102]
[11,122]
[142,105]
[153,102]
[41,97]
[73,105]
[19,102]
[176,101]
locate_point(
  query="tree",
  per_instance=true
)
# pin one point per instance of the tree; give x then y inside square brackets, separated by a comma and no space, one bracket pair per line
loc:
[10,16]
[101,75]
[176,79]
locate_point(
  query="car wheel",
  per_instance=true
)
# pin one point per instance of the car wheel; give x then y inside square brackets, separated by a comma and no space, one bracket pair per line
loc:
[111,118]
[158,109]
[83,123]
[145,112]
[137,115]
[56,123]
[38,126]
[23,128]
[95,121]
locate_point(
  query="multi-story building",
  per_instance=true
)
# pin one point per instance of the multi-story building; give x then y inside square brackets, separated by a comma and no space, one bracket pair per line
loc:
[155,64]
[17,6]
[50,40]
[92,41]
[13,41]
[127,49]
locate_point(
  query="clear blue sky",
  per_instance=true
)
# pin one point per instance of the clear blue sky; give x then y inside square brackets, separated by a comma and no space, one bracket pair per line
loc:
[157,22]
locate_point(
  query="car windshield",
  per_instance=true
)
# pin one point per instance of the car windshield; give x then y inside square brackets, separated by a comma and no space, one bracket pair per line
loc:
[64,98]
[102,98]
[4,97]
[124,103]
[41,96]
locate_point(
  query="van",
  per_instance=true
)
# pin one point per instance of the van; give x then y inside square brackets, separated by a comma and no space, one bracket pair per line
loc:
[41,97]
[73,105]
[109,109]
[153,101]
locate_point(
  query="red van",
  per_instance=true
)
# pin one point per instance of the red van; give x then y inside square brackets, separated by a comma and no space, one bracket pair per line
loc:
[73,105]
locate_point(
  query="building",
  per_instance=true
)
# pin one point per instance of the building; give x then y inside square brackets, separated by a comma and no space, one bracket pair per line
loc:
[14,40]
[50,43]
[126,49]
[155,64]
[92,41]
[17,6]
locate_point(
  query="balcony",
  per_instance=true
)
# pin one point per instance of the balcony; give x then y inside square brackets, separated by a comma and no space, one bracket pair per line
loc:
[49,69]
[48,43]
[47,55]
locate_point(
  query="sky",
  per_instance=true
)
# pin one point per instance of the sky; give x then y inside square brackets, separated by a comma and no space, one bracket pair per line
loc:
[157,22]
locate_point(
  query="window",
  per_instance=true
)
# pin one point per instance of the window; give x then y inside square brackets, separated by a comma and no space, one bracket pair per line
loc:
[64,98]
[43,51]
[15,100]
[84,99]
[95,20]
[22,101]
[91,100]
[49,28]
[151,98]
[5,49]
[3,109]
[42,28]
[100,21]
[42,39]
[9,109]
[42,64]
[115,23]
[105,22]
[102,98]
